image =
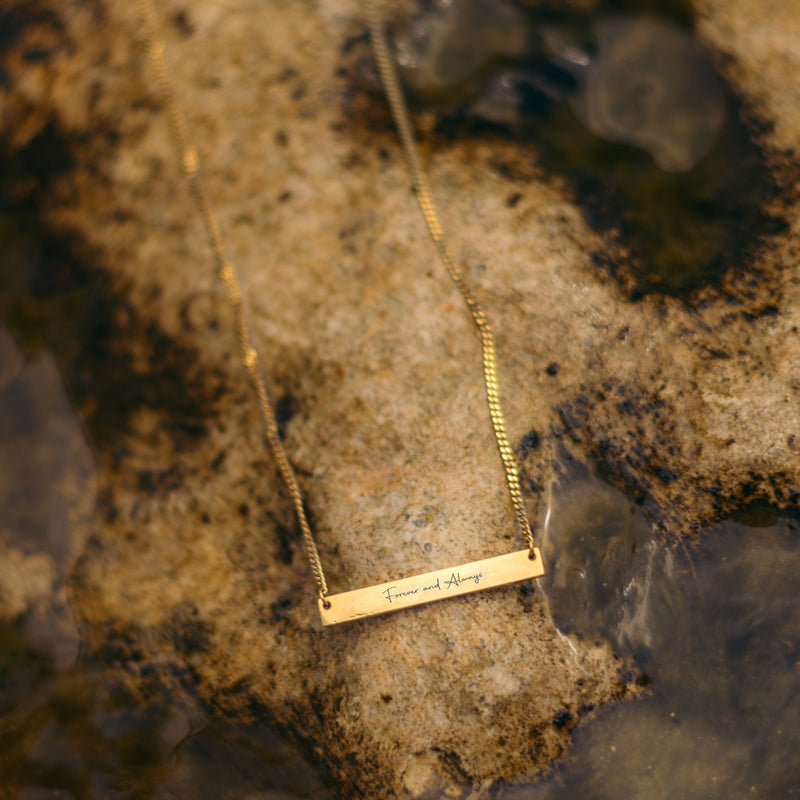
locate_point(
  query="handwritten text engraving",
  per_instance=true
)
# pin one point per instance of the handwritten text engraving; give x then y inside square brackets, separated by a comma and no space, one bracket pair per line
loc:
[431,586]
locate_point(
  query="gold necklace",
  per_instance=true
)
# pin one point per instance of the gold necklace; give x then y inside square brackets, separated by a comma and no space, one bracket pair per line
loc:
[404,592]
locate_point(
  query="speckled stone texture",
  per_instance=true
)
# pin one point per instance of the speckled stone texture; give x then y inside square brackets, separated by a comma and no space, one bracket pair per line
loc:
[692,407]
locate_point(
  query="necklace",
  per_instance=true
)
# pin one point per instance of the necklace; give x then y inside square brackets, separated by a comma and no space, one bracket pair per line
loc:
[402,593]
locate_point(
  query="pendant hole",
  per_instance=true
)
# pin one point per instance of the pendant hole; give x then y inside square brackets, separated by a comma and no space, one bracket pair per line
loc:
[326,604]
[532,555]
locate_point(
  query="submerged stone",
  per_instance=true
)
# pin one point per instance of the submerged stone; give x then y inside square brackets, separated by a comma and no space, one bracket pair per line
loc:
[47,499]
[652,85]
[444,55]
[599,550]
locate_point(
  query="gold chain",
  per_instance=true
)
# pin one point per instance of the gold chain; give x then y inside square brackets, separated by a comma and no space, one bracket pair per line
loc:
[227,272]
[190,166]
[402,118]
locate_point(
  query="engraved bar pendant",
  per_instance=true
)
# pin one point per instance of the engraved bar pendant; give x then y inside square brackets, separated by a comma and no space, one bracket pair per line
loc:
[439,585]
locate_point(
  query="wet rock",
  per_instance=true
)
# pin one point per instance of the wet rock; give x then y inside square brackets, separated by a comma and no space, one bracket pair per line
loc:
[688,404]
[195,562]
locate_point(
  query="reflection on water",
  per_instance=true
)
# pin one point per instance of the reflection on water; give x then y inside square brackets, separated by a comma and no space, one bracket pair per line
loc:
[68,727]
[716,631]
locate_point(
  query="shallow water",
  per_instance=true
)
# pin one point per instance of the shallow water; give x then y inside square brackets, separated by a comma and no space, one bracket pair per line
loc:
[714,628]
[78,733]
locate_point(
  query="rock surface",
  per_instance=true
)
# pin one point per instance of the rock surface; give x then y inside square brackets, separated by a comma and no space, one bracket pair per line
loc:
[689,404]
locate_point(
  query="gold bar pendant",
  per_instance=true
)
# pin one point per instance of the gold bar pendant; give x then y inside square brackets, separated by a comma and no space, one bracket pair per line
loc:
[438,585]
